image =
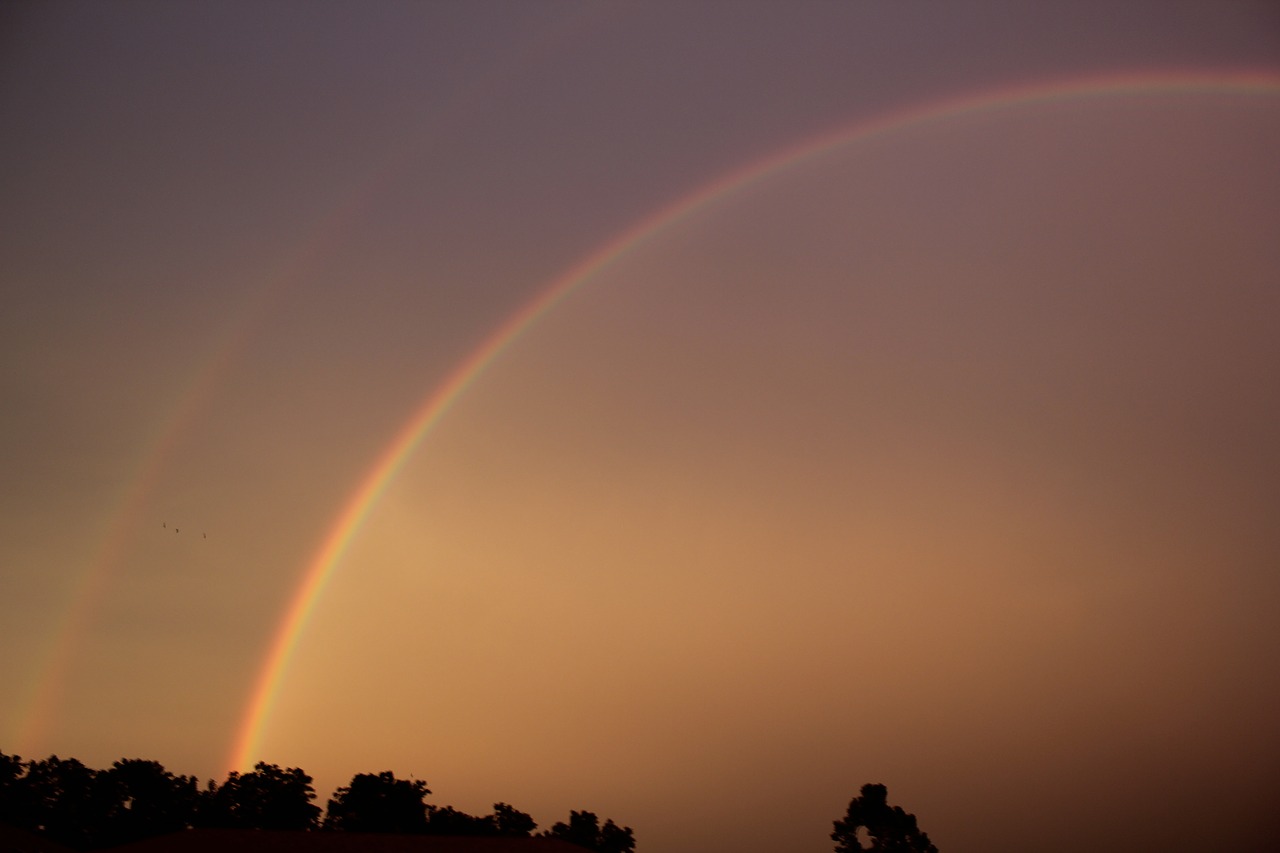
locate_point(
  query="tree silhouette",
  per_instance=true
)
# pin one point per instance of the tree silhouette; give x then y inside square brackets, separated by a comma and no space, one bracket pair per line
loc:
[266,798]
[446,820]
[65,801]
[616,839]
[379,803]
[82,808]
[505,820]
[886,828]
[12,792]
[584,830]
[510,821]
[146,800]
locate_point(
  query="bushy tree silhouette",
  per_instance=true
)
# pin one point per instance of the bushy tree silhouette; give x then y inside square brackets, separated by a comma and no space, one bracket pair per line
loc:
[584,829]
[379,803]
[65,801]
[266,798]
[505,820]
[146,800]
[510,821]
[886,828]
[382,803]
[446,820]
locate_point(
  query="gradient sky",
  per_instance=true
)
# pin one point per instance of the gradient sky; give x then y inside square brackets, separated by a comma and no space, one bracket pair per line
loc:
[944,458]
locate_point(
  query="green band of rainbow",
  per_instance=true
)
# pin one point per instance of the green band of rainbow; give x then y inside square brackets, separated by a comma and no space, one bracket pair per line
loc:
[347,523]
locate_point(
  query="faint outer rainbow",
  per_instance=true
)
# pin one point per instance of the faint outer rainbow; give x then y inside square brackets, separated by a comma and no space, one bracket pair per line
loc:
[40,698]
[429,412]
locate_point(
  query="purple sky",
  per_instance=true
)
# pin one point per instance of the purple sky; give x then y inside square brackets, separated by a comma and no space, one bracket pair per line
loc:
[945,459]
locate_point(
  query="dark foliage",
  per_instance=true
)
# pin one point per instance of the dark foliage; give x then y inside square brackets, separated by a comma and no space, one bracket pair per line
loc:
[884,827]
[510,821]
[67,802]
[446,820]
[383,803]
[71,804]
[505,820]
[143,799]
[266,798]
[584,829]
[380,803]
[64,800]
[12,769]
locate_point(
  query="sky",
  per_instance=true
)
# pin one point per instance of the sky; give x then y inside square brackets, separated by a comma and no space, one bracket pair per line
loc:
[685,412]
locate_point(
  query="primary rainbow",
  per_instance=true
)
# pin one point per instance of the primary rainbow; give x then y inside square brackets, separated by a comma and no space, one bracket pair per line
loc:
[437,403]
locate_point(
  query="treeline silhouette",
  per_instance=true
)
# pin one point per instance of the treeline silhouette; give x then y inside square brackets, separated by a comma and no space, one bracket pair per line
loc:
[72,804]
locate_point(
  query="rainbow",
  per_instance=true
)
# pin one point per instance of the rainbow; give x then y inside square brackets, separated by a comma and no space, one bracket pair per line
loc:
[347,523]
[129,513]
[40,698]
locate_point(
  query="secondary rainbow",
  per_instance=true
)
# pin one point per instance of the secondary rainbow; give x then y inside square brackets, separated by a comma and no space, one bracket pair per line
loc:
[347,523]
[286,275]
[40,697]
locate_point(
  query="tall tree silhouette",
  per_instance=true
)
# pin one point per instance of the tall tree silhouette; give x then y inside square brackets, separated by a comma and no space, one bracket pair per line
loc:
[884,827]
[379,803]
[266,798]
